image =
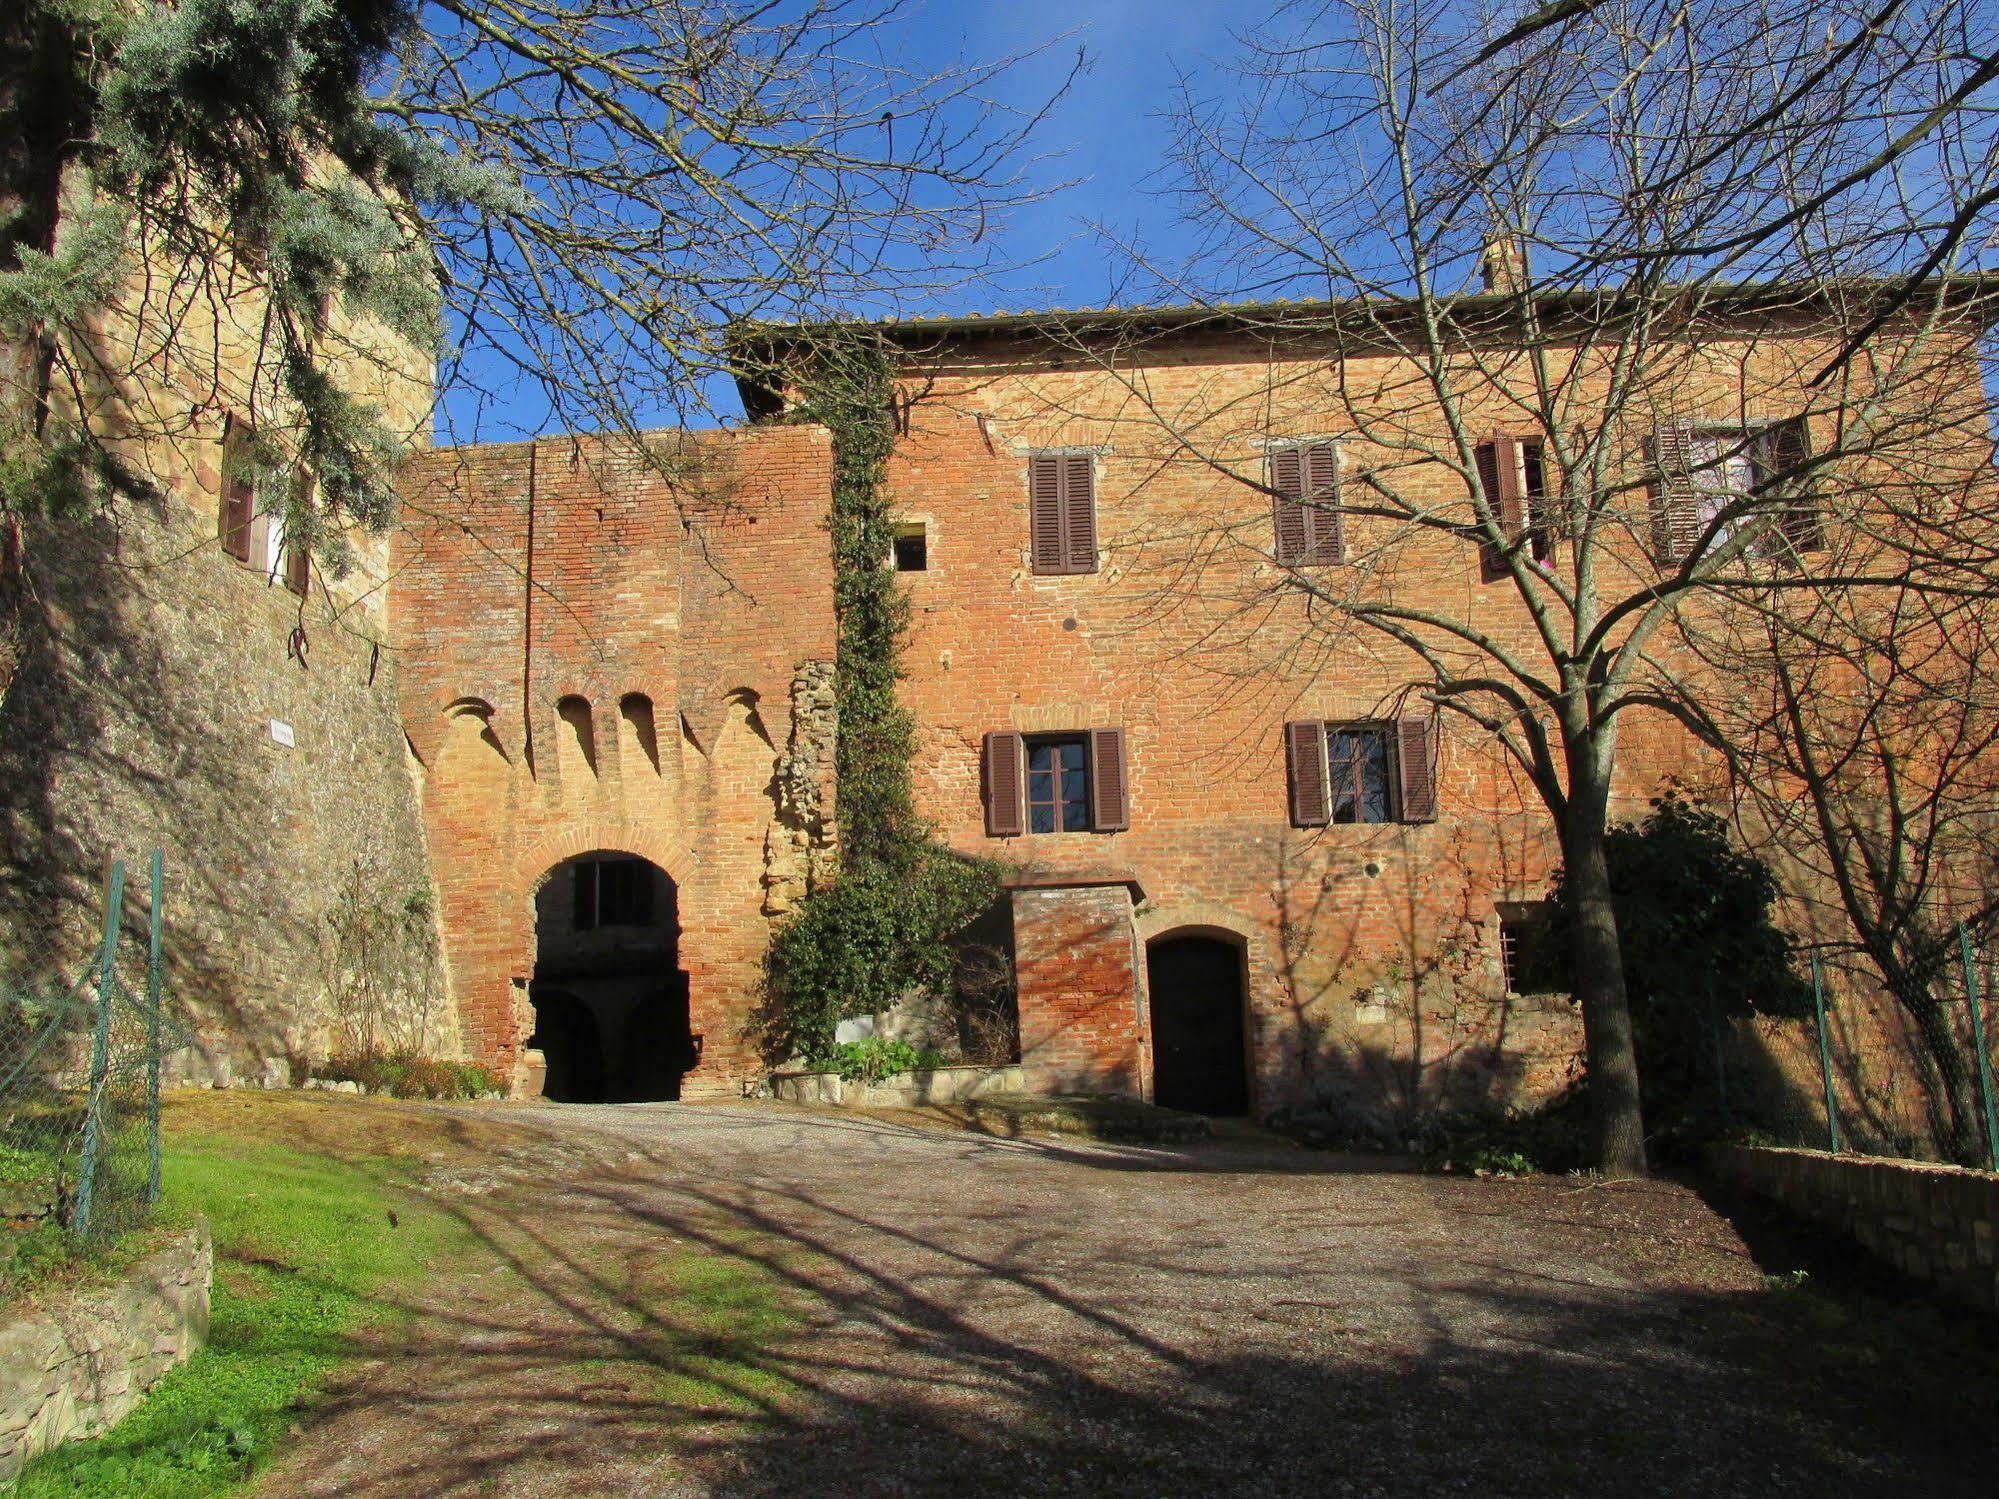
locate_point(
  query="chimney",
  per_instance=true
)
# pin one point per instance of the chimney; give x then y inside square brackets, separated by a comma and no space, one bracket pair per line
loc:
[1504,263]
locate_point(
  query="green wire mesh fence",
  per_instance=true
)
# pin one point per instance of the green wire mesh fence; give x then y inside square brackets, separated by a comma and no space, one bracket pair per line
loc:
[1874,1072]
[81,1044]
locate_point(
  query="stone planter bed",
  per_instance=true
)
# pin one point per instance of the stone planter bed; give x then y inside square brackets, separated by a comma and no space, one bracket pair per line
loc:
[926,1085]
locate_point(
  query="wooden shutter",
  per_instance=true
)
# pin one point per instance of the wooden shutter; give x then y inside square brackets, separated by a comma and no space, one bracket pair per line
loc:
[1044,513]
[1500,477]
[1079,513]
[1784,452]
[1006,797]
[298,554]
[1109,795]
[1321,463]
[1062,513]
[1287,480]
[1676,515]
[236,512]
[1414,758]
[1305,743]
[1305,505]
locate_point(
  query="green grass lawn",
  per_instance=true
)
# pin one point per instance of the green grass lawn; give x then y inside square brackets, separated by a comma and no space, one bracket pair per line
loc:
[305,1255]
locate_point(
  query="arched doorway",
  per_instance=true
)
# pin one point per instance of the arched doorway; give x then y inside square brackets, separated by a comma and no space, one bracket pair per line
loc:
[1200,1048]
[609,996]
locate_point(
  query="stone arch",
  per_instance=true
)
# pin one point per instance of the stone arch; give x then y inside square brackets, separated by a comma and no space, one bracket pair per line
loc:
[539,860]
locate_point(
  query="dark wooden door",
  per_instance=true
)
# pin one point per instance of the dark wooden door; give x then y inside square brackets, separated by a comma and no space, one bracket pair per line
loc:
[1199,1057]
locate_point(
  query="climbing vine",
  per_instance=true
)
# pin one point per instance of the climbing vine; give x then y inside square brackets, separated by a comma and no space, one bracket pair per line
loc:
[886,924]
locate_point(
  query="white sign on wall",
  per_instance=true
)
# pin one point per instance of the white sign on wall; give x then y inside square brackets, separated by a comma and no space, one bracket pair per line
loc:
[282,732]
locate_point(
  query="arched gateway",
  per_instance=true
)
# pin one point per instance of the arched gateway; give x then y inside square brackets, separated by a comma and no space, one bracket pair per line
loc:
[609,995]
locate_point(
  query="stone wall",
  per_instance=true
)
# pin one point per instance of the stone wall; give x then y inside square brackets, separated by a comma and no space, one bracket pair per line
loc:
[171,698]
[1935,1223]
[76,1368]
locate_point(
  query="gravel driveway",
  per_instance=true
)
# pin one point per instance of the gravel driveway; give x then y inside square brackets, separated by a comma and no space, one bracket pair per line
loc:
[967,1315]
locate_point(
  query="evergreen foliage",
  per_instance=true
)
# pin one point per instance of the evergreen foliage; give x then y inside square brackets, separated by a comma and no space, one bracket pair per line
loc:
[885,926]
[1701,948]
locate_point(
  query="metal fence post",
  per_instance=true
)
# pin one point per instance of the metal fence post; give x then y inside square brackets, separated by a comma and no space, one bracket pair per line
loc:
[153,1029]
[1825,1054]
[100,1050]
[1978,1045]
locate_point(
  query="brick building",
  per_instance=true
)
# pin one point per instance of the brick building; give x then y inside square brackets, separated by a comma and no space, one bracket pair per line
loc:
[1247,867]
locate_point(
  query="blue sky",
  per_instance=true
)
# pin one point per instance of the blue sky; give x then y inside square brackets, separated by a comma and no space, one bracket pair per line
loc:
[1108,128]
[1105,139]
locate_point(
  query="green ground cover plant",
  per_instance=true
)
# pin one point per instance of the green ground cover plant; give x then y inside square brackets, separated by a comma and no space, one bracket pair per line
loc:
[308,1249]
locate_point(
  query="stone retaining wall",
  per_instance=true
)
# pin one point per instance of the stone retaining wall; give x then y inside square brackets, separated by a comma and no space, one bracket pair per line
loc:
[930,1085]
[1936,1223]
[76,1368]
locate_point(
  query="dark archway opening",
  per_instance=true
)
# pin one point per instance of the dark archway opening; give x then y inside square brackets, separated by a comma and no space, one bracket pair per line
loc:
[1200,1051]
[609,995]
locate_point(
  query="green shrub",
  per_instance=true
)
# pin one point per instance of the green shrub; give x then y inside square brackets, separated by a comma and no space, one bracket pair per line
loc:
[877,1058]
[402,1075]
[1510,1142]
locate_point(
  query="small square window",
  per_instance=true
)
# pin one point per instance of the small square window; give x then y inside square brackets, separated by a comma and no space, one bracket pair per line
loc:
[912,549]
[1528,963]
[612,892]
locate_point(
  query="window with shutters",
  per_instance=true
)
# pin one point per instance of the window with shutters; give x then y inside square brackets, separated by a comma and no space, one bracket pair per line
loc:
[1370,771]
[1305,501]
[612,892]
[256,540]
[1514,477]
[1056,783]
[1708,470]
[1062,512]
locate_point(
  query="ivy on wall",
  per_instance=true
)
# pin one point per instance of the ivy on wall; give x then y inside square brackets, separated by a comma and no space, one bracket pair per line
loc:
[886,924]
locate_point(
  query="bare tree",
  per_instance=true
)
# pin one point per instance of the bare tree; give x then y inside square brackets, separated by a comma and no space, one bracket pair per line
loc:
[1599,305]
[574,199]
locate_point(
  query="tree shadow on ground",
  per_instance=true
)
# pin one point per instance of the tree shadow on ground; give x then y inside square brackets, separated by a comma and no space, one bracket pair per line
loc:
[658,1327]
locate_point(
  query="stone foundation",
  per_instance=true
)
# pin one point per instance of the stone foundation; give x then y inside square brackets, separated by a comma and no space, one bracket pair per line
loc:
[77,1368]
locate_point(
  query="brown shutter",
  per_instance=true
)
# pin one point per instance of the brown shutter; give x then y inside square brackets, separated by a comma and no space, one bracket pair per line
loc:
[1287,479]
[1109,797]
[1785,452]
[298,554]
[1676,515]
[1414,751]
[1006,797]
[1044,513]
[1079,513]
[236,513]
[1305,741]
[1322,503]
[1499,475]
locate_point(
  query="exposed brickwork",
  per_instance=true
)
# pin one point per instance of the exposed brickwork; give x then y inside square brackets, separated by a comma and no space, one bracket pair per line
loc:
[689,601]
[1074,963]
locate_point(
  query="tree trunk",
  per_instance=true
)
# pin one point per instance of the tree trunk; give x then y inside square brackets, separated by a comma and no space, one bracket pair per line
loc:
[1959,1131]
[1617,1125]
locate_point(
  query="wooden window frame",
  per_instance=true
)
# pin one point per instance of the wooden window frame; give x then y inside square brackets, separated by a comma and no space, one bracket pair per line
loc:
[1680,499]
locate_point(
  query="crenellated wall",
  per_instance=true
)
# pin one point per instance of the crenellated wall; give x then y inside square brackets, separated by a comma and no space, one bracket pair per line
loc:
[603,654]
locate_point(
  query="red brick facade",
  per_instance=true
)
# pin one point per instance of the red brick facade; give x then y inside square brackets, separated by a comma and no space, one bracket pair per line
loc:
[1371,952]
[681,612]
